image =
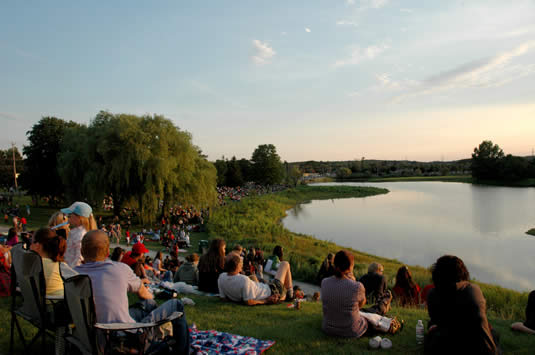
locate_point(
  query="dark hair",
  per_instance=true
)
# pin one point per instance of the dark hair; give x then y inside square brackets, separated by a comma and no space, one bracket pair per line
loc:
[404,278]
[448,270]
[12,233]
[158,255]
[342,262]
[214,259]
[54,246]
[277,251]
[116,254]
[231,262]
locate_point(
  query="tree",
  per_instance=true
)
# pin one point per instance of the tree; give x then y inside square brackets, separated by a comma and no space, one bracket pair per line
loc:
[233,176]
[221,167]
[267,166]
[294,175]
[145,159]
[343,173]
[485,160]
[246,169]
[45,139]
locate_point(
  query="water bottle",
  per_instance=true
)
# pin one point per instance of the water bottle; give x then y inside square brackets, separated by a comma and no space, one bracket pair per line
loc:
[419,332]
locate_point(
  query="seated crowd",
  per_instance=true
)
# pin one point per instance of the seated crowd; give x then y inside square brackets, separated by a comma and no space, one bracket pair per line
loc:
[457,307]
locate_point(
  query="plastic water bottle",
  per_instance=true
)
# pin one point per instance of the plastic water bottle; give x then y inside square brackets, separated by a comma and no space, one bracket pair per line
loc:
[419,332]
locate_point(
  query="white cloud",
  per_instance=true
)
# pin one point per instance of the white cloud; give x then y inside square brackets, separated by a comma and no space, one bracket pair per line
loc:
[346,23]
[360,54]
[368,4]
[408,11]
[490,72]
[262,52]
[307,30]
[284,33]
[350,2]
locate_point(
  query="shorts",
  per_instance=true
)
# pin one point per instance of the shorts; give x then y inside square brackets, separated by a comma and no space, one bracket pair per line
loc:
[277,288]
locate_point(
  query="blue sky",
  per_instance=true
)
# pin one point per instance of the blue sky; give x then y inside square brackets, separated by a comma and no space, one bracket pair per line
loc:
[322,80]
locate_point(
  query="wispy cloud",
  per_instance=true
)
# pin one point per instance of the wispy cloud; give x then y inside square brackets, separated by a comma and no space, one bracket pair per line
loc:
[368,4]
[490,72]
[347,23]
[307,30]
[361,54]
[408,11]
[262,52]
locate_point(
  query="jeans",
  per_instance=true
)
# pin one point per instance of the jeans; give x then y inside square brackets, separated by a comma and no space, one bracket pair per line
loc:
[150,312]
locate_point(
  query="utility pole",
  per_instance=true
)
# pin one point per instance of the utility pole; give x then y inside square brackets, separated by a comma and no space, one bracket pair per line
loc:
[14,166]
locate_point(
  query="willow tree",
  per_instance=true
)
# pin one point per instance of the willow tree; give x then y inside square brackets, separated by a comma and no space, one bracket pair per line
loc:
[142,158]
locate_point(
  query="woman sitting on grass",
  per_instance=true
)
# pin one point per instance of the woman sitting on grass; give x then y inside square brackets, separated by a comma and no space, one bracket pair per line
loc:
[211,265]
[342,297]
[458,312]
[529,325]
[405,290]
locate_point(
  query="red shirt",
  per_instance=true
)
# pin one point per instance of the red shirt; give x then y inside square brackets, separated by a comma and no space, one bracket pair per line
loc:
[128,260]
[23,220]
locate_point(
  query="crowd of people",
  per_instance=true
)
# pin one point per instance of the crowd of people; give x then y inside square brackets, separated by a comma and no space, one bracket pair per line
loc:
[351,307]
[235,194]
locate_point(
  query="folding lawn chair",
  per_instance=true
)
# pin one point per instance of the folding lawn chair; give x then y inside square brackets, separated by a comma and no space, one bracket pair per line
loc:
[94,338]
[27,273]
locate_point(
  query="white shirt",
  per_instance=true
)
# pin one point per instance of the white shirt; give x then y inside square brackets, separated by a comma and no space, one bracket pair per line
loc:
[240,288]
[73,256]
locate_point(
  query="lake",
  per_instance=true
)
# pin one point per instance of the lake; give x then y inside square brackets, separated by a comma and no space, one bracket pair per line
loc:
[416,222]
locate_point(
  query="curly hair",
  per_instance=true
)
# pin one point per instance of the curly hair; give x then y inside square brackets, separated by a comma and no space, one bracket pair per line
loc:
[448,270]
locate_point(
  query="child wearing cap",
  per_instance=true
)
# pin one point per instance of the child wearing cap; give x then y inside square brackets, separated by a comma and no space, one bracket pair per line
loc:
[82,221]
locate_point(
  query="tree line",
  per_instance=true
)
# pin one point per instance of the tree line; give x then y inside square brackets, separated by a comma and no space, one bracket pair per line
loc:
[489,162]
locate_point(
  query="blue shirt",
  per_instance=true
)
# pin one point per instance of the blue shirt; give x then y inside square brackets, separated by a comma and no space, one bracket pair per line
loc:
[111,281]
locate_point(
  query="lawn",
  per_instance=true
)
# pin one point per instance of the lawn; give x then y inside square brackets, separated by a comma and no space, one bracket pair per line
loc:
[299,331]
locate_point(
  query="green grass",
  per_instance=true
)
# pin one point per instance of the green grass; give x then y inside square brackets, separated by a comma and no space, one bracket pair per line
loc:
[295,331]
[531,232]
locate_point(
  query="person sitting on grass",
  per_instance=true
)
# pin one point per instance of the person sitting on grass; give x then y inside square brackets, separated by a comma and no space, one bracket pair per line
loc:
[188,271]
[111,282]
[374,281]
[457,312]
[81,220]
[326,268]
[240,288]
[273,262]
[342,297]
[529,325]
[406,291]
[211,265]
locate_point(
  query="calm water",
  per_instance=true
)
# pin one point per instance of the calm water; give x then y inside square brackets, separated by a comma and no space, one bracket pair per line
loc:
[416,222]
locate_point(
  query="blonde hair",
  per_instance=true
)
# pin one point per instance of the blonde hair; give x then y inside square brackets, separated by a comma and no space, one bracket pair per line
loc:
[59,218]
[88,223]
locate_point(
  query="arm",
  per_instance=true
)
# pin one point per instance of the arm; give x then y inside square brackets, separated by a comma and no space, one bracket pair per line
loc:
[144,293]
[270,300]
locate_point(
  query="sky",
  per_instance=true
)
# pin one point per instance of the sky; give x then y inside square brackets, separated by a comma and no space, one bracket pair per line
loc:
[319,79]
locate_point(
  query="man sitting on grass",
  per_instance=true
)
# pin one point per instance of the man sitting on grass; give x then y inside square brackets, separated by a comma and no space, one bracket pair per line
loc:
[111,281]
[240,288]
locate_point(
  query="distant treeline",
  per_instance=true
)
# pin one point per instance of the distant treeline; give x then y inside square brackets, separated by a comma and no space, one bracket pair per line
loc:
[365,169]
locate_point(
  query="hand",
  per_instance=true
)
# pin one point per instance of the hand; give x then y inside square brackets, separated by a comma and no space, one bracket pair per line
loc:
[145,281]
[272,299]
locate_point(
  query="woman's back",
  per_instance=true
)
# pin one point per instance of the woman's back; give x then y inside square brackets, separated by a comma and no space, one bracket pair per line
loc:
[340,298]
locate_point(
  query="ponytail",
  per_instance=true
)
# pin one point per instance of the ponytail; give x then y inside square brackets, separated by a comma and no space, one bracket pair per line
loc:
[54,245]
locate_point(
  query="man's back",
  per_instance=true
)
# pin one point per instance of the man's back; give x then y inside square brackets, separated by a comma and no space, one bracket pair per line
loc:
[240,288]
[374,284]
[111,281]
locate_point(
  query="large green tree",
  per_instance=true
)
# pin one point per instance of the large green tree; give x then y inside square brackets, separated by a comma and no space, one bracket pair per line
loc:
[486,160]
[145,159]
[45,138]
[267,166]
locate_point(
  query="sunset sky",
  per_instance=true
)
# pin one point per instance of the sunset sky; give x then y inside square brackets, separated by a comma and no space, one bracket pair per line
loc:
[322,80]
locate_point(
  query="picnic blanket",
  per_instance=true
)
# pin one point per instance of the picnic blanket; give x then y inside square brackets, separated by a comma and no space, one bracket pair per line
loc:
[214,342]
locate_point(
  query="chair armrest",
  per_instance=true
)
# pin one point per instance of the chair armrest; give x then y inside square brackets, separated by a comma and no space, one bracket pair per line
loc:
[131,326]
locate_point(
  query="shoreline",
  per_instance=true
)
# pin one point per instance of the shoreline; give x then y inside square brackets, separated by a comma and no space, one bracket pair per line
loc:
[260,217]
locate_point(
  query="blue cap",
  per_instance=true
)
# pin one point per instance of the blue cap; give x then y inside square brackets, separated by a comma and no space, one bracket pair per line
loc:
[79,208]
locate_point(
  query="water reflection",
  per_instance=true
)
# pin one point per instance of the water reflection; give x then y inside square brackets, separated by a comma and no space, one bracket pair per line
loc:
[419,221]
